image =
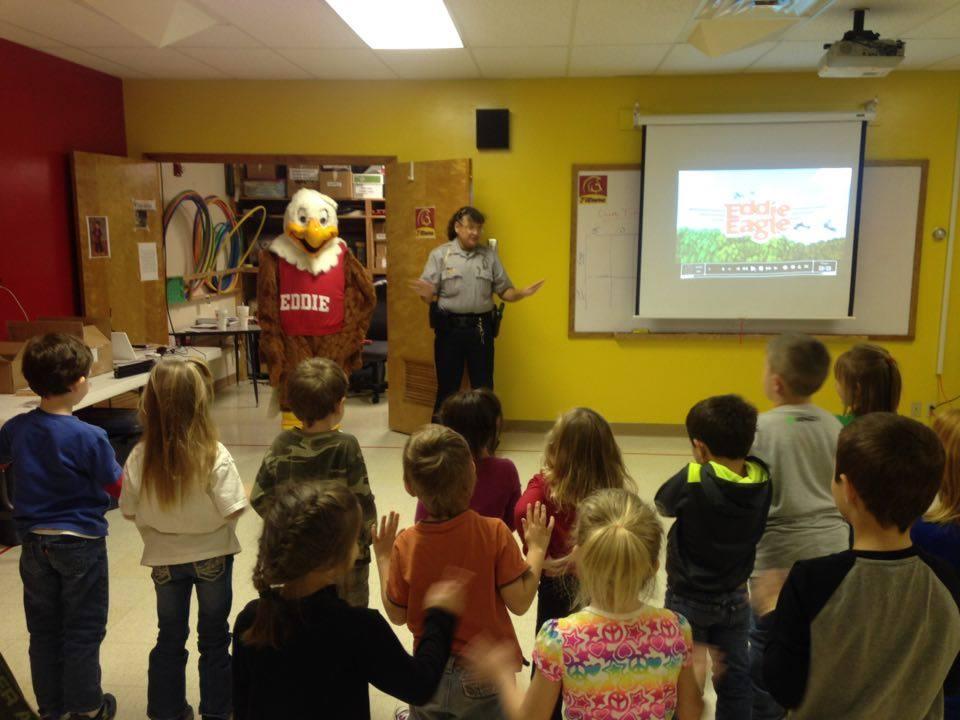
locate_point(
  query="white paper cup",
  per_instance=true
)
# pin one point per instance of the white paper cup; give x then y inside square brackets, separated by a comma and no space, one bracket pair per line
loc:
[243,316]
[222,318]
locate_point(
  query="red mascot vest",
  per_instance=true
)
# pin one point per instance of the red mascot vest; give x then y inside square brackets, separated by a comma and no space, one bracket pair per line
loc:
[312,304]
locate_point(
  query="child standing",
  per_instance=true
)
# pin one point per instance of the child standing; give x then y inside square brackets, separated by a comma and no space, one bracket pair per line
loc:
[618,657]
[65,473]
[317,392]
[581,456]
[938,532]
[872,632]
[868,380]
[184,493]
[720,502]
[302,652]
[477,416]
[798,441]
[438,469]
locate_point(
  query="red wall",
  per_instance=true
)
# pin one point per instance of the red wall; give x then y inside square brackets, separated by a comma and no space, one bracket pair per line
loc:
[48,107]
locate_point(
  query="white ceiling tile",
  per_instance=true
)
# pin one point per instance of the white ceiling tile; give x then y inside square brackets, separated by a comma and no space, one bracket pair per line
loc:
[889,18]
[632,22]
[512,23]
[286,23]
[430,64]
[521,62]
[921,53]
[687,59]
[609,60]
[339,63]
[26,37]
[82,57]
[219,36]
[249,63]
[158,62]
[69,22]
[944,25]
[788,56]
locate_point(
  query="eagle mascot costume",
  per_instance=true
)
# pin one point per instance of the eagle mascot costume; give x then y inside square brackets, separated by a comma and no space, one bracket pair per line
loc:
[314,298]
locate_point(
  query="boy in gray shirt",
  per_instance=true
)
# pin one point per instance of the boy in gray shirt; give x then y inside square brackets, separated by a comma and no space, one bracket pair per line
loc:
[798,442]
[872,632]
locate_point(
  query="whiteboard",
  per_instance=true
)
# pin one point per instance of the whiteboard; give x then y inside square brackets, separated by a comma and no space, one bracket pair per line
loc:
[605,235]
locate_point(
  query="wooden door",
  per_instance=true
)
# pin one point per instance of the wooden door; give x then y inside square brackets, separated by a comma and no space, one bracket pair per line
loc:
[421,198]
[120,243]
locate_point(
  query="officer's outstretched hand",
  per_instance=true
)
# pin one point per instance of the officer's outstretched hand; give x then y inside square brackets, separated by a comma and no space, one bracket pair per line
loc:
[424,289]
[528,291]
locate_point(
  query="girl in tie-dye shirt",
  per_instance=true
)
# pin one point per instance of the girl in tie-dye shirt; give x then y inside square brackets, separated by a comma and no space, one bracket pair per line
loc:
[618,658]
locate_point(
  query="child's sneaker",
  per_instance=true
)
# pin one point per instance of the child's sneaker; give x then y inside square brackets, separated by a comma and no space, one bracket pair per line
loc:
[108,710]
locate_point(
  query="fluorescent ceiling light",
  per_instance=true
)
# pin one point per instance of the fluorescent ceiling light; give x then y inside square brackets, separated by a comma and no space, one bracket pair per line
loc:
[400,24]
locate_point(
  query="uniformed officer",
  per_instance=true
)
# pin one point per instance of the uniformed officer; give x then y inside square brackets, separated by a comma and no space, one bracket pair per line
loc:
[459,281]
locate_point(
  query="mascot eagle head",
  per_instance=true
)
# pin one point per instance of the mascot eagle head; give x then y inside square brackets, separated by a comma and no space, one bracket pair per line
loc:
[310,232]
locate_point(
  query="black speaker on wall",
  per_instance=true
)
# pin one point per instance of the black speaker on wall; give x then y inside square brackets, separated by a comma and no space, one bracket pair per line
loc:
[493,129]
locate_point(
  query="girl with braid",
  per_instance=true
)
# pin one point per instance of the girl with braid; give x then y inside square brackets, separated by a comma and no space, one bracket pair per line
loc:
[299,650]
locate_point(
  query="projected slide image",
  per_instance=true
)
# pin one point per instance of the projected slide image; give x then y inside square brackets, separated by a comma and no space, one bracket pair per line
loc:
[769,222]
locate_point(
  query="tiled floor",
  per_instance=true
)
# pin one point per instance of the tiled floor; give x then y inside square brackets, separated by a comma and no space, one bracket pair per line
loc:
[247,431]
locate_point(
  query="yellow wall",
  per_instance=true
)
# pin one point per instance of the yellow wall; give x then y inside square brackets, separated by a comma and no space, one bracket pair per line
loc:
[526,195]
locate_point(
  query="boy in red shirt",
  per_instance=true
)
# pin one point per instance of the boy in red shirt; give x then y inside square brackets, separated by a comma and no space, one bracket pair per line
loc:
[439,470]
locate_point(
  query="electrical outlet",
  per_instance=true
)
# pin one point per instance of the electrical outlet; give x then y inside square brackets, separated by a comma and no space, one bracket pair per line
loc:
[916,409]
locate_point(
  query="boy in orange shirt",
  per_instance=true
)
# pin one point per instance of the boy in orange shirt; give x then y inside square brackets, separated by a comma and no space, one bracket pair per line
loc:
[438,469]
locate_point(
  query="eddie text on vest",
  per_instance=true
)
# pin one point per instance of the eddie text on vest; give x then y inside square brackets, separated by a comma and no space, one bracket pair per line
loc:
[304,301]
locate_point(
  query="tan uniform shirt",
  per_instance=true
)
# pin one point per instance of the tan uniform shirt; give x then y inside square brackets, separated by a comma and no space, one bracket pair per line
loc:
[465,281]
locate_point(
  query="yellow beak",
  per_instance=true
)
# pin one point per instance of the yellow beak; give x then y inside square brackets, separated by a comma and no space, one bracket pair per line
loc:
[314,236]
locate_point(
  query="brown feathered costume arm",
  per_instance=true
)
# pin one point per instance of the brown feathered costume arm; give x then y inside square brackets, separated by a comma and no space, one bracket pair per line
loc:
[272,346]
[283,352]
[360,300]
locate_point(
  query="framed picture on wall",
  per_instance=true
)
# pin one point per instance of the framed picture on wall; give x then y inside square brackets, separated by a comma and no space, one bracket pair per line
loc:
[98,236]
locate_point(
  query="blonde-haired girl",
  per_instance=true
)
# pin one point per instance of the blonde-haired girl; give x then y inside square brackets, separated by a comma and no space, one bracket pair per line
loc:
[938,532]
[581,456]
[868,380]
[618,657]
[183,491]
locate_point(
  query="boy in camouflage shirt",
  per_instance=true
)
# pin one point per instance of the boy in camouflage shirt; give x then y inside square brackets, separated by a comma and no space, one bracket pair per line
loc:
[318,452]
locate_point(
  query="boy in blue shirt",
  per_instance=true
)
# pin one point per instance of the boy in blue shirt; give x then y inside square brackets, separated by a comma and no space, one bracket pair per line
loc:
[64,470]
[720,502]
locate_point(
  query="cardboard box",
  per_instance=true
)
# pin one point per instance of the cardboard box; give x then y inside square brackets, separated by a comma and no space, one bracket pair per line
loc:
[265,189]
[303,173]
[368,186]
[95,333]
[336,184]
[261,171]
[11,362]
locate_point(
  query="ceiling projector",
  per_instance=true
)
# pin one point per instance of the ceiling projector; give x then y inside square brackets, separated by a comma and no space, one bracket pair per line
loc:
[861,53]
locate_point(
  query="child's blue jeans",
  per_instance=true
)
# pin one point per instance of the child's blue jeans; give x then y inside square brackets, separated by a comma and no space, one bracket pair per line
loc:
[460,696]
[65,598]
[764,706]
[166,676]
[723,622]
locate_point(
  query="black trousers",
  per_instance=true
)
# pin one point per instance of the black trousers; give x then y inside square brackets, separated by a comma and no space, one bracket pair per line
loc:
[454,347]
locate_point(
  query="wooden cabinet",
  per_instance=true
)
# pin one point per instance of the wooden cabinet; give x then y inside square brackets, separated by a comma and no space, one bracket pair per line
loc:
[361,221]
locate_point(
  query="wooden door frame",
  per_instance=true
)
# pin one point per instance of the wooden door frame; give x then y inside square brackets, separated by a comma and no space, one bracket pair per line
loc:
[274,158]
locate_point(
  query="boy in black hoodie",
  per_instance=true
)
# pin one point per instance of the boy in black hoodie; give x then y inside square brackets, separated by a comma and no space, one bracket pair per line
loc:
[720,502]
